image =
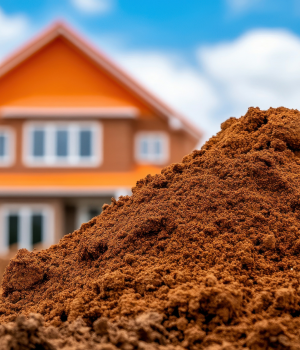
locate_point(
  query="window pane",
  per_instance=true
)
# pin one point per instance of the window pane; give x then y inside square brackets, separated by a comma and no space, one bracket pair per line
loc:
[85,147]
[61,143]
[13,228]
[37,228]
[144,147]
[93,212]
[157,147]
[2,145]
[38,143]
[70,218]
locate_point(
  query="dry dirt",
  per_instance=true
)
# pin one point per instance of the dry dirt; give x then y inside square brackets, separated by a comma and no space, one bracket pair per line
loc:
[204,255]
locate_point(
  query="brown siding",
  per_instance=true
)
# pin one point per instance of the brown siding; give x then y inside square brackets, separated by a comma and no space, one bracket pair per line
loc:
[181,145]
[118,145]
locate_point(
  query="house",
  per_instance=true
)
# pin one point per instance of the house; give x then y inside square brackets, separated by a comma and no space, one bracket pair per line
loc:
[75,130]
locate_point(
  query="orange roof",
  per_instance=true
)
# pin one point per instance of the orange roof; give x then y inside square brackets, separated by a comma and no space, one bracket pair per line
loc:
[71,183]
[60,63]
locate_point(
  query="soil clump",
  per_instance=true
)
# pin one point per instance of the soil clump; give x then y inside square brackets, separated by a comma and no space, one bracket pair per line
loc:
[210,248]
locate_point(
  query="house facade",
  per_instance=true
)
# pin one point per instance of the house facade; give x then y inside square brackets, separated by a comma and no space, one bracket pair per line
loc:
[75,130]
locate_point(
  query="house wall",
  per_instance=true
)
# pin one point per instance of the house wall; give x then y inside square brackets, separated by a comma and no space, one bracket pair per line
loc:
[60,75]
[117,145]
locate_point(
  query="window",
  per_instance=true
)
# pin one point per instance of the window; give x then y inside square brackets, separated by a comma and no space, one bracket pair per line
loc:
[38,143]
[3,145]
[36,228]
[86,209]
[152,147]
[6,146]
[16,231]
[93,212]
[13,228]
[85,142]
[62,144]
[26,226]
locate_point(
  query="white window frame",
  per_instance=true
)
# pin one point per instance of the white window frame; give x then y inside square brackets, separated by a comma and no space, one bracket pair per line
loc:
[73,159]
[25,211]
[9,158]
[165,147]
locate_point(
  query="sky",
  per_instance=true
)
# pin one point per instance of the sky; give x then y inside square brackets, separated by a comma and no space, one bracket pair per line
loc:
[209,60]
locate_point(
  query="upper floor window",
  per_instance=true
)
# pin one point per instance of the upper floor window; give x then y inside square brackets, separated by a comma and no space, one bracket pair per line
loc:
[62,144]
[152,147]
[6,146]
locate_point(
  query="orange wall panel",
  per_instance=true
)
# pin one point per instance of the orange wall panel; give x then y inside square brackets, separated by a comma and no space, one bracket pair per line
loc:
[60,69]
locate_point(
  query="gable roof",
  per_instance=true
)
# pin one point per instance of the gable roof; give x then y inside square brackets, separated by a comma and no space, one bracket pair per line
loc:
[60,29]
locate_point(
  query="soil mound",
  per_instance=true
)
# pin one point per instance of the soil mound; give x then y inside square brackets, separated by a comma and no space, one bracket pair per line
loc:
[212,244]
[30,333]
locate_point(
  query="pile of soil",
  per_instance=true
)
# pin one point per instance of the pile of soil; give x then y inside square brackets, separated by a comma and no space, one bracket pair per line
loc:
[144,333]
[211,244]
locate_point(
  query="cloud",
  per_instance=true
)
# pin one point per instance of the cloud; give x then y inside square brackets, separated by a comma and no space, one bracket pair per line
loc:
[180,85]
[261,68]
[13,30]
[11,26]
[93,6]
[241,6]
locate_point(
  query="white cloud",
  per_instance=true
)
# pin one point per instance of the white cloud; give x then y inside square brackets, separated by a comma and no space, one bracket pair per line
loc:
[182,86]
[261,68]
[11,26]
[93,6]
[241,6]
[13,30]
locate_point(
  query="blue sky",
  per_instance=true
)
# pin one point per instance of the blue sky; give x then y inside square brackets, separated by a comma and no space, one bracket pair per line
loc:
[168,24]
[171,24]
[208,59]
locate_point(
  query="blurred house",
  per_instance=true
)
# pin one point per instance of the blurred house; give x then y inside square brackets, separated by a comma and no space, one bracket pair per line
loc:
[75,130]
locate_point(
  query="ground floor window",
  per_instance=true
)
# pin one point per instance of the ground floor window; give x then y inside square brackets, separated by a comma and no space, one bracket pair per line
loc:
[25,226]
[37,228]
[93,211]
[81,210]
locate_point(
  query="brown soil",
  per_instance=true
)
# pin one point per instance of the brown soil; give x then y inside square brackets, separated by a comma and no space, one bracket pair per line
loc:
[144,333]
[212,244]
